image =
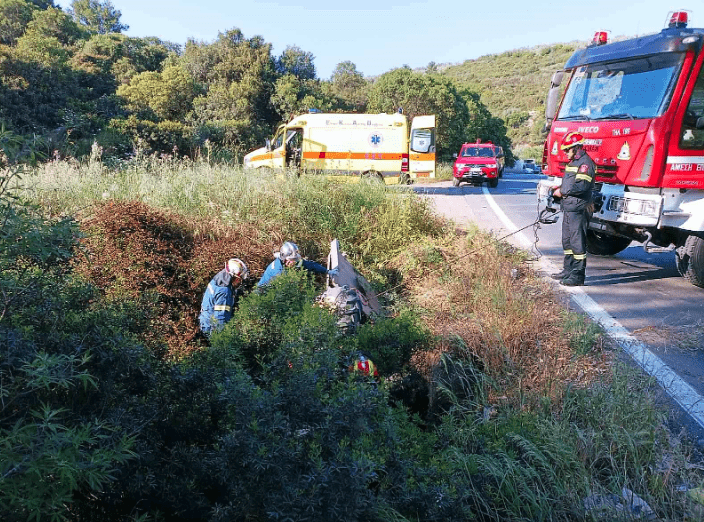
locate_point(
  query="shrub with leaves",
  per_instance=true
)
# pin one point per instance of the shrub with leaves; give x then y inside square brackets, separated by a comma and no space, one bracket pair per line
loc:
[54,441]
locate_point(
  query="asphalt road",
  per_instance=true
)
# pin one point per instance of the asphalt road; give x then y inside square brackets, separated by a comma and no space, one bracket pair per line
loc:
[660,311]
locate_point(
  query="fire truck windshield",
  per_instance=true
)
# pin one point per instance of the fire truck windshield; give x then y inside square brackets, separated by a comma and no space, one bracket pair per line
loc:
[478,152]
[629,89]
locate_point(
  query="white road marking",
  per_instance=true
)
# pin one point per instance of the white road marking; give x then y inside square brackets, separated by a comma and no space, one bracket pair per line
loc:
[676,387]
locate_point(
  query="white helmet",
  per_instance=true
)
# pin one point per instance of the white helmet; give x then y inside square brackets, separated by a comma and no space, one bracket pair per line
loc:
[289,252]
[236,268]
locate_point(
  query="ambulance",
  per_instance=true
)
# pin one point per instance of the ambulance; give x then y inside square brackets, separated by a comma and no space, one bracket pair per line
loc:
[376,145]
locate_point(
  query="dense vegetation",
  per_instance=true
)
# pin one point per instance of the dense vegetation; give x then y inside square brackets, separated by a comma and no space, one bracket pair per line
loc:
[119,199]
[491,404]
[75,79]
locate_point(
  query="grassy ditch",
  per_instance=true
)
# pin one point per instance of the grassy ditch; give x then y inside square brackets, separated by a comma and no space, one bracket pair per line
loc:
[493,403]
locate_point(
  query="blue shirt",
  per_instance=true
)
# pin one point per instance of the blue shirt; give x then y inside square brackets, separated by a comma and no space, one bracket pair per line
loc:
[277,267]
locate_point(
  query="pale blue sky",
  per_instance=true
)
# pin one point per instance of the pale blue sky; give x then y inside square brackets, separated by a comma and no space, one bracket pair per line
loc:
[378,36]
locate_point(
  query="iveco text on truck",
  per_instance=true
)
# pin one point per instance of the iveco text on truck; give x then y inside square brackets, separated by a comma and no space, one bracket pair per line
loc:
[639,104]
[377,145]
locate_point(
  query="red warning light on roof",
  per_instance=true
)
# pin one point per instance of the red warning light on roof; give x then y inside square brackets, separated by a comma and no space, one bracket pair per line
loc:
[600,38]
[679,19]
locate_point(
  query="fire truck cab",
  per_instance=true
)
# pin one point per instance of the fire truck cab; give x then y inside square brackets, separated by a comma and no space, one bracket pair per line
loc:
[478,162]
[639,104]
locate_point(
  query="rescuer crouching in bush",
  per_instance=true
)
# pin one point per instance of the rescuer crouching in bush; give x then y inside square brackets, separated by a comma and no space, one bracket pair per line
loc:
[290,257]
[221,296]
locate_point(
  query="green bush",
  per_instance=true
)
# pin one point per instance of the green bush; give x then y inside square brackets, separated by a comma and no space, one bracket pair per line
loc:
[391,342]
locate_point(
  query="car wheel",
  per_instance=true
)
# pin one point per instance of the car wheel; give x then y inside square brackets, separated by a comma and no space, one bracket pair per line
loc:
[455,182]
[494,182]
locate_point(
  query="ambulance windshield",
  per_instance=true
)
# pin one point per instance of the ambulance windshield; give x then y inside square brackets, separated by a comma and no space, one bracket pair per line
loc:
[626,90]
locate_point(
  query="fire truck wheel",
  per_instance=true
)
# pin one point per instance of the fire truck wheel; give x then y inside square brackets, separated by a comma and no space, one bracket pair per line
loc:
[455,182]
[690,259]
[493,182]
[605,245]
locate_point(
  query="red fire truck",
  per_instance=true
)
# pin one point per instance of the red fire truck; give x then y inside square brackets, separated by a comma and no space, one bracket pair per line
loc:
[639,104]
[478,162]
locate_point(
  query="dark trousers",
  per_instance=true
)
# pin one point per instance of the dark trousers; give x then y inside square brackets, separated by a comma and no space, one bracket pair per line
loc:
[574,241]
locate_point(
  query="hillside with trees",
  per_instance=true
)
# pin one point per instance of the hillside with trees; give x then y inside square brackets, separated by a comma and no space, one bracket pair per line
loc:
[513,86]
[72,79]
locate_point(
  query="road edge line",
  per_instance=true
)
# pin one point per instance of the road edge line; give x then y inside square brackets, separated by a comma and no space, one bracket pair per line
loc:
[676,387]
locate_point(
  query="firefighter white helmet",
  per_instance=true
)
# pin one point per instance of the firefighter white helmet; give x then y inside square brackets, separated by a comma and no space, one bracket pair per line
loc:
[237,268]
[289,252]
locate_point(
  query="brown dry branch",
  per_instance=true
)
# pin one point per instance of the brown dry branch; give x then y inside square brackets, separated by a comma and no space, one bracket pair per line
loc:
[512,324]
[134,249]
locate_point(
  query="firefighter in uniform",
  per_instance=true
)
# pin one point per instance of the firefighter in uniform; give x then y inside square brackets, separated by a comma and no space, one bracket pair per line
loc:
[575,194]
[290,257]
[221,295]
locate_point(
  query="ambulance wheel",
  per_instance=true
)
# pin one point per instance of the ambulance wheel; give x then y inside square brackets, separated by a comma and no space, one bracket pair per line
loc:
[373,175]
[494,182]
[604,244]
[455,182]
[404,179]
[690,259]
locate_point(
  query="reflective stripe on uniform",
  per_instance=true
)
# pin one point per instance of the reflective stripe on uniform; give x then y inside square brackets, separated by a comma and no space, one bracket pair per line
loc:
[584,177]
[569,253]
[579,257]
[570,169]
[221,308]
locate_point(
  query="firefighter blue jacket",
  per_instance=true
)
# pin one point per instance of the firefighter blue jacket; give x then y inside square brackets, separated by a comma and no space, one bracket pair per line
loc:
[218,302]
[578,183]
[277,267]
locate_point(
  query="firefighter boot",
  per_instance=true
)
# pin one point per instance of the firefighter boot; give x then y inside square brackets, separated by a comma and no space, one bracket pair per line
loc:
[576,278]
[566,268]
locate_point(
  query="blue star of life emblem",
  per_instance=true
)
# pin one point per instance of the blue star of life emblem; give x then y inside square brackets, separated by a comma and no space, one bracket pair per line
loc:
[375,139]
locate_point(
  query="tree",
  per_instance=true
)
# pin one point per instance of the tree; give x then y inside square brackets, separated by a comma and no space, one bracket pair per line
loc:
[417,94]
[293,96]
[484,126]
[237,76]
[296,62]
[54,23]
[98,17]
[349,84]
[168,94]
[14,17]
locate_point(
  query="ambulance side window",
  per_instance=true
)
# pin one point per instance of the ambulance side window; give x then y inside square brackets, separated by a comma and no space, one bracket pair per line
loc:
[692,136]
[423,140]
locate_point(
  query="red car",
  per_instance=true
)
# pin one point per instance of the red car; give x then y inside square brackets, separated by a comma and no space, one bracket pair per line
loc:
[476,163]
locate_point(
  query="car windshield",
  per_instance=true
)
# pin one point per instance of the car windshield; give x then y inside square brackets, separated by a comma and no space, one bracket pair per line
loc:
[477,152]
[637,88]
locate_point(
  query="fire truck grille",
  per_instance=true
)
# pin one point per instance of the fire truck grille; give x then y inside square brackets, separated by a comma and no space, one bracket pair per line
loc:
[606,171]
